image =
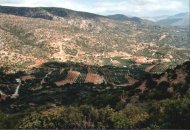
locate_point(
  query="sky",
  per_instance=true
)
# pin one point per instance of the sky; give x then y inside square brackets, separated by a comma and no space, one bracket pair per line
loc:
[139,8]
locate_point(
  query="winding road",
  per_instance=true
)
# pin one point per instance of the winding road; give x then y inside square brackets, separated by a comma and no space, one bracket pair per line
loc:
[14,95]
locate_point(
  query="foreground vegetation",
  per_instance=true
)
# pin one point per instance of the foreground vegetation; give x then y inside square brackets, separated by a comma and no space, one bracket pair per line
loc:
[163,114]
[86,105]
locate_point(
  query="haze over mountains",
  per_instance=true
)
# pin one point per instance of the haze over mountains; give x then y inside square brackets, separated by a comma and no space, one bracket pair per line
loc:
[182,19]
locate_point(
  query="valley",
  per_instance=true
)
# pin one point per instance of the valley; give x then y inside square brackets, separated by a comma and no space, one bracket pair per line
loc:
[61,68]
[64,85]
[93,41]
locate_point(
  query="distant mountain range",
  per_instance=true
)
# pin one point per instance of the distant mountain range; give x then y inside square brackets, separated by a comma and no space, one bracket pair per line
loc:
[124,17]
[181,19]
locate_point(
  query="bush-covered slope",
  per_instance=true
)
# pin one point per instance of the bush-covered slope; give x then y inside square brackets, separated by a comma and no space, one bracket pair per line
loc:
[148,102]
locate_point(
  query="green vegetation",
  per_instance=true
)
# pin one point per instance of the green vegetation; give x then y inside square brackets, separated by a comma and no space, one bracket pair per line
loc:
[173,114]
[86,105]
[71,51]
[164,114]
[26,38]
[82,42]
[20,33]
[127,98]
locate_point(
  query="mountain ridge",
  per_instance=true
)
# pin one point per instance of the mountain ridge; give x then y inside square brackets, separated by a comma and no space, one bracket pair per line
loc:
[181,19]
[122,17]
[45,12]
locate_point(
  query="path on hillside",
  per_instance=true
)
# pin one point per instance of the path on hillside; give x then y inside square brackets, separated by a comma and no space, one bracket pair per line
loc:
[15,94]
[149,68]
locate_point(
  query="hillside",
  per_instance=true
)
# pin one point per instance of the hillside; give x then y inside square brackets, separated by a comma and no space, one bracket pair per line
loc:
[29,41]
[61,68]
[55,74]
[68,88]
[181,19]
[124,17]
[49,13]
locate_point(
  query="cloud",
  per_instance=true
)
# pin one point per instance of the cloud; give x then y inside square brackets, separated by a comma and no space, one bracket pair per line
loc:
[143,7]
[128,7]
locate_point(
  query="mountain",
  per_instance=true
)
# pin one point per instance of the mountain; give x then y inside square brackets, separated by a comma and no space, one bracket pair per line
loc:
[181,19]
[61,68]
[124,17]
[29,41]
[45,12]
[118,17]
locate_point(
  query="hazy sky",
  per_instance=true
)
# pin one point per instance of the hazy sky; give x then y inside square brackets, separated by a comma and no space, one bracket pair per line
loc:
[140,8]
